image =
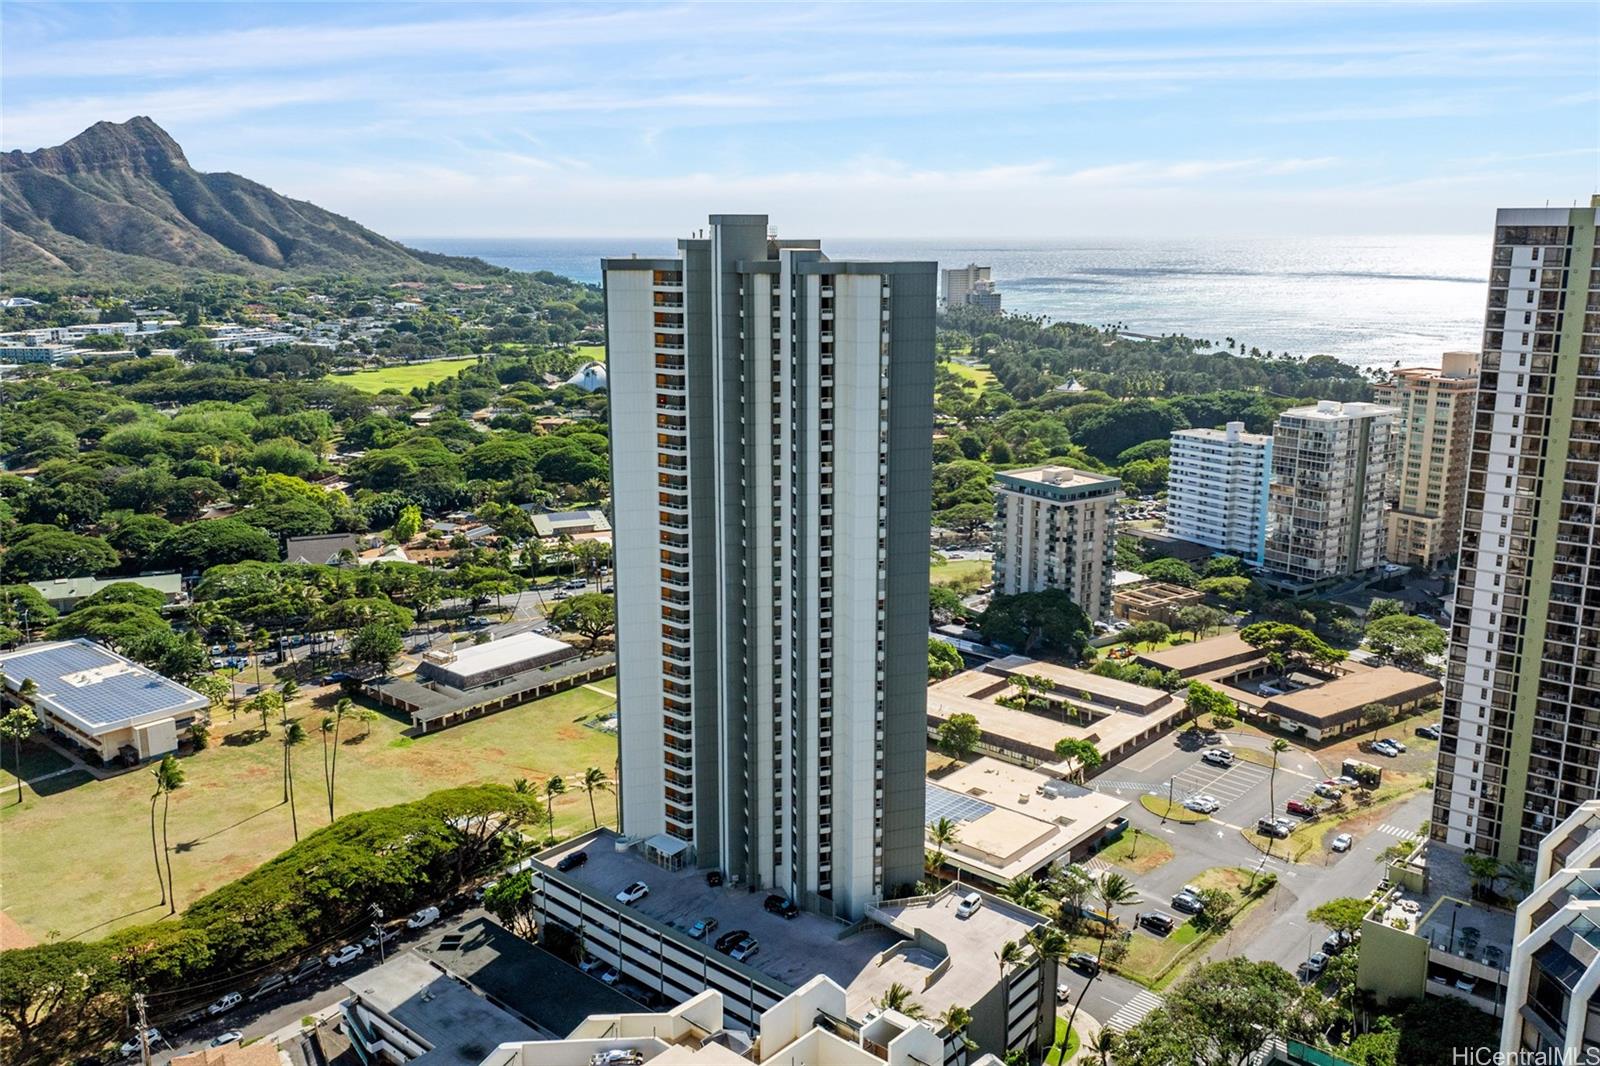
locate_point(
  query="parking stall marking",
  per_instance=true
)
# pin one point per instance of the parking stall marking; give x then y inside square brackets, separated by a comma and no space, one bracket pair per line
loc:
[1134,1011]
[1397,831]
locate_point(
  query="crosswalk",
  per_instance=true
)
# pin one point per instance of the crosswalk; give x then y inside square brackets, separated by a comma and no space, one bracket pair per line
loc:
[1096,866]
[1397,831]
[1133,1012]
[1121,786]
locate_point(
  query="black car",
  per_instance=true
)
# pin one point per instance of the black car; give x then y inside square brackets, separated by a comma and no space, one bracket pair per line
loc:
[572,861]
[727,940]
[1157,921]
[1083,962]
[782,906]
[714,878]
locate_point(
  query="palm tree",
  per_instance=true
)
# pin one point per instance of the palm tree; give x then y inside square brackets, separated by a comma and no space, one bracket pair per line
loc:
[257,639]
[326,729]
[956,1019]
[293,733]
[155,850]
[340,709]
[1023,891]
[594,780]
[1114,890]
[1009,955]
[897,997]
[553,788]
[169,778]
[1279,746]
[522,786]
[1104,1044]
[943,833]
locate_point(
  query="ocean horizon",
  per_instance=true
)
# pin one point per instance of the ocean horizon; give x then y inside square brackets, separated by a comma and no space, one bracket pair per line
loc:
[1371,301]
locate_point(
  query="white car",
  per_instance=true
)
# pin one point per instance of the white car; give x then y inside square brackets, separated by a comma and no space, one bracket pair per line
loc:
[1218,757]
[227,1038]
[423,918]
[633,893]
[1316,964]
[348,953]
[1342,842]
[1202,804]
[225,1004]
[610,976]
[132,1046]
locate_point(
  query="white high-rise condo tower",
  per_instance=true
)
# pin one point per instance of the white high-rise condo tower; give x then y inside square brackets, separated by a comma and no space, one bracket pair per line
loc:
[1521,744]
[771,421]
[1217,491]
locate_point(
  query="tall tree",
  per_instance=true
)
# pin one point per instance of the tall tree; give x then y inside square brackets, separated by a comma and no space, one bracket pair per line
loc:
[1279,746]
[18,725]
[554,787]
[594,780]
[1113,891]
[293,733]
[1009,955]
[169,778]
[340,709]
[943,833]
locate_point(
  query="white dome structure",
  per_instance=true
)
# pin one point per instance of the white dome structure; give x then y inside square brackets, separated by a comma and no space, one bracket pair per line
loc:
[592,376]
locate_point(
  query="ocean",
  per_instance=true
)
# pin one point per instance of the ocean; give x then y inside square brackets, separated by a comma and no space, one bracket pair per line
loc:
[1371,301]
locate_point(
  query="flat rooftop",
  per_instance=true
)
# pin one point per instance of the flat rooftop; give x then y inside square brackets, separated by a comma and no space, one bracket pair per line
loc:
[436,700]
[1059,477]
[1202,656]
[94,688]
[1341,700]
[1075,683]
[462,1027]
[1444,912]
[974,691]
[795,950]
[498,653]
[1222,435]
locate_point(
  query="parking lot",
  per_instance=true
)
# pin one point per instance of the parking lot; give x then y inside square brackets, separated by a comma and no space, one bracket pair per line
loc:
[1244,791]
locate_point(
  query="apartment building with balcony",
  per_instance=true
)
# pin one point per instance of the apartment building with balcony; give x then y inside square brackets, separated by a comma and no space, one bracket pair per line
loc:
[1055,527]
[1429,477]
[771,420]
[1330,462]
[970,285]
[1520,748]
[1217,489]
[1553,1002]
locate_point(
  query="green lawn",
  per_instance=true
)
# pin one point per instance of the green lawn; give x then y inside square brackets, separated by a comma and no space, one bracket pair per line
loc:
[972,572]
[1065,1045]
[595,352]
[405,376]
[77,860]
[980,375]
[37,758]
[1140,854]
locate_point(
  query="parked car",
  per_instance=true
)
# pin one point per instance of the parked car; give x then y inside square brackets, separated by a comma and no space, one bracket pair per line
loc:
[1327,791]
[1158,921]
[306,968]
[1273,827]
[617,1056]
[1063,993]
[1202,804]
[225,1004]
[1316,964]
[348,953]
[224,1039]
[609,976]
[702,928]
[1346,781]
[725,943]
[370,942]
[1183,901]
[590,965]
[1083,962]
[608,589]
[153,1035]
[744,949]
[572,860]
[1300,807]
[577,583]
[1335,942]
[969,905]
[633,893]
[268,985]
[713,878]
[423,918]
[1386,747]
[782,906]
[1218,757]
[1342,842]
[1429,732]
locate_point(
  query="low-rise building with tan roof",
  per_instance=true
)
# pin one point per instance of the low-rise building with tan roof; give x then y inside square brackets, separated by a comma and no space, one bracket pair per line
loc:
[1201,657]
[1335,708]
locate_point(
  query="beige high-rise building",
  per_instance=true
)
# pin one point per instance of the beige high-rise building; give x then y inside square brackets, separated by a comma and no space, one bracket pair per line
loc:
[1434,440]
[1054,528]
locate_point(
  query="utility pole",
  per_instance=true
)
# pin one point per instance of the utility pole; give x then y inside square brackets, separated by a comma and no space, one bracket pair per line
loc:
[144,1029]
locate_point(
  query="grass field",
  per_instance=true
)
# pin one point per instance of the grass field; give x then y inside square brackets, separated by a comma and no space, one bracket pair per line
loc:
[1139,853]
[595,352]
[972,572]
[77,858]
[979,375]
[405,376]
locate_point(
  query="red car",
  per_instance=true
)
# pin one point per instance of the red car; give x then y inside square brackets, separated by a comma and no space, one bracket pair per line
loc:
[1300,807]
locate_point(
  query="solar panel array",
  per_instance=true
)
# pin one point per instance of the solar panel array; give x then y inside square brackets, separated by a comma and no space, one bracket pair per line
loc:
[942,803]
[130,691]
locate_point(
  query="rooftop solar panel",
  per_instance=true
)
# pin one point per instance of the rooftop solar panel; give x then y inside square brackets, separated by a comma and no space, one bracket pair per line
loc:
[96,686]
[942,803]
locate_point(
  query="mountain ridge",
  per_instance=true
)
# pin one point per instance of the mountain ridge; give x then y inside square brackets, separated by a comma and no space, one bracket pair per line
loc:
[120,201]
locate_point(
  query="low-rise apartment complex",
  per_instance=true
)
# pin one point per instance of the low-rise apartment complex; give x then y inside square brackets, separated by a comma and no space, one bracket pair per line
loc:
[1217,489]
[1054,528]
[1434,439]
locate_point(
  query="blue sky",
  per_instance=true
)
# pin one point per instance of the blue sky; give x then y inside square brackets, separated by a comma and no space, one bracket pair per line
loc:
[950,120]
